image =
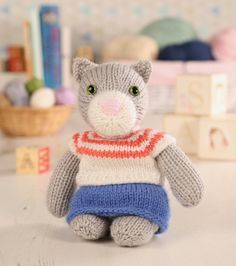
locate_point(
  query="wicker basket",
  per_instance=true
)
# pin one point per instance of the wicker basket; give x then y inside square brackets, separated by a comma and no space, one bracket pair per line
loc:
[27,121]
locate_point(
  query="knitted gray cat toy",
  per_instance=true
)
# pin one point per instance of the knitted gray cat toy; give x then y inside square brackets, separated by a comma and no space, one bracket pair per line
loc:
[111,178]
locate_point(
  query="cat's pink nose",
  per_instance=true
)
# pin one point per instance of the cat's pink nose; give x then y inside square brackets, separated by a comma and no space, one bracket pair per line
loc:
[111,106]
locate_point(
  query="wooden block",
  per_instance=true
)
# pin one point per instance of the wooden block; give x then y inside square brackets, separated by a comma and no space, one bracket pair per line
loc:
[85,51]
[201,94]
[217,137]
[32,160]
[185,129]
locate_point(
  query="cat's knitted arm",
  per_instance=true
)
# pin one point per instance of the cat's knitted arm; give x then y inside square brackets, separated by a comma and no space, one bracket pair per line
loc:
[184,180]
[61,184]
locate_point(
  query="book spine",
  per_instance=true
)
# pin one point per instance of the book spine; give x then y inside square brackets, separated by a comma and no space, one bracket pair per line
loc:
[36,43]
[27,49]
[50,28]
[66,56]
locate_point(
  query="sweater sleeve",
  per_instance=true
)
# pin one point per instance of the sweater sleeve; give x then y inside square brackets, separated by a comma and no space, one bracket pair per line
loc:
[163,140]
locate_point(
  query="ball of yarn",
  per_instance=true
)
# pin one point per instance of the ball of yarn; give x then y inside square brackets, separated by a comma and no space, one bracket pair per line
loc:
[224,44]
[130,47]
[43,98]
[16,92]
[189,51]
[169,31]
[4,102]
[198,50]
[34,84]
[172,53]
[65,96]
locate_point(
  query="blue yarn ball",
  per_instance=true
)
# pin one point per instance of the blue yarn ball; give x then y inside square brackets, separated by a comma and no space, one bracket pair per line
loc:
[189,51]
[172,53]
[198,50]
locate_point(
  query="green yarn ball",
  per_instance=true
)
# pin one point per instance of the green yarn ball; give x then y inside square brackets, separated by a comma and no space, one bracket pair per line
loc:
[169,31]
[34,84]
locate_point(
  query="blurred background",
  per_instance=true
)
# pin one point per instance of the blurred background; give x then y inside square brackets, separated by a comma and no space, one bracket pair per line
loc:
[192,48]
[98,21]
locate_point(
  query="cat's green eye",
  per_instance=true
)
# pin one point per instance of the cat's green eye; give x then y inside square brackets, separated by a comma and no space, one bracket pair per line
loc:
[134,91]
[91,89]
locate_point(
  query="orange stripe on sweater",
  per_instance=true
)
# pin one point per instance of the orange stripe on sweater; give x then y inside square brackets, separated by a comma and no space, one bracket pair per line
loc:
[121,154]
[76,138]
[124,142]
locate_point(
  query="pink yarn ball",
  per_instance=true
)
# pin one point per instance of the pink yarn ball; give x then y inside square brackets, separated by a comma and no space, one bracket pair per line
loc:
[65,96]
[224,44]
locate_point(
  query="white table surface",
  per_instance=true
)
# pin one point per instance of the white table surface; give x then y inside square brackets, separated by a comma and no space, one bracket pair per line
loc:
[30,236]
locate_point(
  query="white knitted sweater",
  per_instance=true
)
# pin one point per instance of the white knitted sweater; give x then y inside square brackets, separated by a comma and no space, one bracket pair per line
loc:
[118,161]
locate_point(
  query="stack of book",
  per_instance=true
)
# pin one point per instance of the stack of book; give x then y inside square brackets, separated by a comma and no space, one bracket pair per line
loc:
[47,46]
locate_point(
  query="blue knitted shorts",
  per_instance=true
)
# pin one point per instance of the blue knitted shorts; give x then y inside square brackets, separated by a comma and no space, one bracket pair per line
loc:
[144,200]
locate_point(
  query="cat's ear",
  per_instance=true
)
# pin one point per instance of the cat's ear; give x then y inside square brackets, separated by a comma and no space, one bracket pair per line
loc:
[143,68]
[80,66]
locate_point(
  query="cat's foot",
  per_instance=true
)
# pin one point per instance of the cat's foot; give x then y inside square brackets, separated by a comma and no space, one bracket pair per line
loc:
[130,231]
[90,227]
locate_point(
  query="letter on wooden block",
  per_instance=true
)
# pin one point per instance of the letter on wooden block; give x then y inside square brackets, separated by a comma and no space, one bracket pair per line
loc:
[217,137]
[201,94]
[185,129]
[43,160]
[32,160]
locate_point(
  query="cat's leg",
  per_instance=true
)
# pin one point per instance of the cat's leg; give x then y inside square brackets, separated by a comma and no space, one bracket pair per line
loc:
[132,231]
[90,227]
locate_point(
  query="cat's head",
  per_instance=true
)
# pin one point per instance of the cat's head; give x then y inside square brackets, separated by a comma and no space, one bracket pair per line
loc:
[113,97]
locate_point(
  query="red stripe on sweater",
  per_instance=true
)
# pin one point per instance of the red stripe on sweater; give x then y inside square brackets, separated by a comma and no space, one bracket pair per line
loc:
[120,154]
[123,142]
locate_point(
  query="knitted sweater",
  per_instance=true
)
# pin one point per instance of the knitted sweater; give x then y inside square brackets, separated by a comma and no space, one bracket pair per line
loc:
[118,161]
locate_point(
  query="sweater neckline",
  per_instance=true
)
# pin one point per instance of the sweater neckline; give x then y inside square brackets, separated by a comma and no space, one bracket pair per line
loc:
[139,144]
[135,138]
[118,138]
